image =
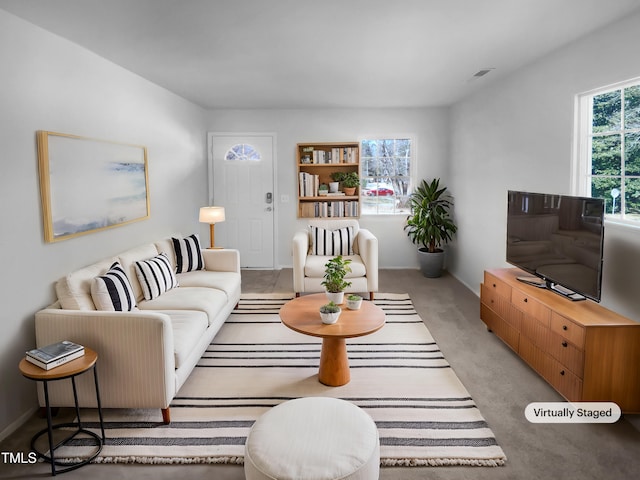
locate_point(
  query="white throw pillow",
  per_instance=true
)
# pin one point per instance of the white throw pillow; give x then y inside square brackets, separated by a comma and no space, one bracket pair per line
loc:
[112,291]
[331,242]
[155,276]
[188,254]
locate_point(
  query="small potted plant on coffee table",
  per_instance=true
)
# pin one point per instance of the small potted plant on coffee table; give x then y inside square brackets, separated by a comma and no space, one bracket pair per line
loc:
[335,271]
[354,302]
[329,313]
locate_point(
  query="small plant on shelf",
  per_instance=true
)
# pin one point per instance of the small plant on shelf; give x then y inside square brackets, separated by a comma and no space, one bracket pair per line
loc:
[349,181]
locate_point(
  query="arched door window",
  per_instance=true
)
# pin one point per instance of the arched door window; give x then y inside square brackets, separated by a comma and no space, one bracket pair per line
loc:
[243,152]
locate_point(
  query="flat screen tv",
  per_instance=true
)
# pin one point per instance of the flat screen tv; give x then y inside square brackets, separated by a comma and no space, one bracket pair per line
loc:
[558,240]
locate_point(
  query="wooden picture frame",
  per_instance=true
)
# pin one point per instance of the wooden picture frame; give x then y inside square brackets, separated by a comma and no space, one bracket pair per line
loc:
[88,185]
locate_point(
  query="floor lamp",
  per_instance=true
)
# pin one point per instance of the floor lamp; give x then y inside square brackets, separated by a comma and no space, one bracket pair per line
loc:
[212,215]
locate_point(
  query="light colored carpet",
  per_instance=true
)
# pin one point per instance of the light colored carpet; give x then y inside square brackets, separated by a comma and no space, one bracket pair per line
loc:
[424,414]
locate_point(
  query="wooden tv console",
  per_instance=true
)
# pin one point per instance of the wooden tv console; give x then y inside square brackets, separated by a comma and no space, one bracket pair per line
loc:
[584,351]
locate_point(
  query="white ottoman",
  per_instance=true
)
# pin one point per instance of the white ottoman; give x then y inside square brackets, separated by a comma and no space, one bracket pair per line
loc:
[314,438]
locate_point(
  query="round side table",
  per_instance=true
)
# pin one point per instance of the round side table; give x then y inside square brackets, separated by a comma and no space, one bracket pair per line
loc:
[68,370]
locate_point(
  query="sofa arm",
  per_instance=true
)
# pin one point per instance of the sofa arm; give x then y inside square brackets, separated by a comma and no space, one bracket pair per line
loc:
[300,248]
[368,248]
[136,363]
[221,260]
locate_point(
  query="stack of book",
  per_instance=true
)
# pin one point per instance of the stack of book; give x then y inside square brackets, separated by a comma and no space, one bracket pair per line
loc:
[309,184]
[335,155]
[329,209]
[55,355]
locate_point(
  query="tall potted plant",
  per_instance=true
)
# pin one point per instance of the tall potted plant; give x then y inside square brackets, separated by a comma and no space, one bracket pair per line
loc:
[430,224]
[335,271]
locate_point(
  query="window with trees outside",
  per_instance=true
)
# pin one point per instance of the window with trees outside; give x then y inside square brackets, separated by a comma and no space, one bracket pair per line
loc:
[609,149]
[385,171]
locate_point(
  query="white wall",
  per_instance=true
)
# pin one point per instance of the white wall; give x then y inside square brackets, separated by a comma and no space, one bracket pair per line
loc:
[48,83]
[427,126]
[517,135]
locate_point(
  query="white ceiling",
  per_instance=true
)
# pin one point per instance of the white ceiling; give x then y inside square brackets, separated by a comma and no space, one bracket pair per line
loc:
[321,53]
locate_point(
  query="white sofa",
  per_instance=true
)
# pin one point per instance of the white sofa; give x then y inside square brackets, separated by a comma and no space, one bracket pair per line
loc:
[144,355]
[308,269]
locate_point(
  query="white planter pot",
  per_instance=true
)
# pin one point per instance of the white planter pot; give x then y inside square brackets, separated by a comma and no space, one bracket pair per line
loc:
[330,318]
[354,304]
[337,298]
[333,187]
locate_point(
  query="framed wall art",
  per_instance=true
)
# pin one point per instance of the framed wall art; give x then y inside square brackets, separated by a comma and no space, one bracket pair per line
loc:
[88,185]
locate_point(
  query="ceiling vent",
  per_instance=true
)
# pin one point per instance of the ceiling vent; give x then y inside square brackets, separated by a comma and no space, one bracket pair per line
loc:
[483,72]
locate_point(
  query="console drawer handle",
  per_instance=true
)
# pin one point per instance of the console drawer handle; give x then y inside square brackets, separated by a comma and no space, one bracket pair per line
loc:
[561,372]
[564,344]
[526,300]
[495,286]
[564,327]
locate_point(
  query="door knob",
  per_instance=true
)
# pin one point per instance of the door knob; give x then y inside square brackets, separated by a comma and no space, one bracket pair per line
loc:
[268,209]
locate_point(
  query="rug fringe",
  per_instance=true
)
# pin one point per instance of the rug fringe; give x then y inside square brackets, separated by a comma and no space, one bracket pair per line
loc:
[171,460]
[238,460]
[441,462]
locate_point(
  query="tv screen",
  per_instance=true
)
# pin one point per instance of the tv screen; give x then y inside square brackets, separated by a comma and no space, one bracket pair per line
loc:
[559,240]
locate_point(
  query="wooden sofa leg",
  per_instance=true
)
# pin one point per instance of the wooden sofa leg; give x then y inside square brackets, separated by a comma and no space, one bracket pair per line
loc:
[297,294]
[166,416]
[371,295]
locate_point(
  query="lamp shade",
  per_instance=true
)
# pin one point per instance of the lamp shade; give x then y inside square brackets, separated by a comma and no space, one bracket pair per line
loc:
[211,214]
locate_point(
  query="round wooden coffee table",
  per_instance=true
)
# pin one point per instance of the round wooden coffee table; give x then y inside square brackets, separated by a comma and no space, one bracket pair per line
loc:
[302,315]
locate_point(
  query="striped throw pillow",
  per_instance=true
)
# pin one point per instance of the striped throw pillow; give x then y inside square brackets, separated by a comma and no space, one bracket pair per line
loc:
[155,276]
[331,242]
[188,254]
[112,291]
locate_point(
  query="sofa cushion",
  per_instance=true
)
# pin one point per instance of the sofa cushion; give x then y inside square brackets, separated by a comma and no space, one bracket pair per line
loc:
[188,328]
[188,254]
[74,290]
[112,291]
[155,276]
[314,267]
[228,282]
[331,242]
[207,300]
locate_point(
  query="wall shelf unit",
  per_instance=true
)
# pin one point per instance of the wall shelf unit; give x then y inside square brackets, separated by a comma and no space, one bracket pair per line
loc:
[315,162]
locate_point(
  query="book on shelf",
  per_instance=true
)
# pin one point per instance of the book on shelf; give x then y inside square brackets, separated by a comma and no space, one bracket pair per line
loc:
[54,355]
[330,209]
[333,156]
[309,184]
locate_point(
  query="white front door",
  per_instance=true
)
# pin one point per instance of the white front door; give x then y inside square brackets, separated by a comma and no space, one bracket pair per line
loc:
[242,170]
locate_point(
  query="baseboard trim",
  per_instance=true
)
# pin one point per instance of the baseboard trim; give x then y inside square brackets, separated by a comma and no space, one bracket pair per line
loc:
[16,424]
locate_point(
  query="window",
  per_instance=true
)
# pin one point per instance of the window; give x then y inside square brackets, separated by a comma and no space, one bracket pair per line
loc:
[608,163]
[386,175]
[243,152]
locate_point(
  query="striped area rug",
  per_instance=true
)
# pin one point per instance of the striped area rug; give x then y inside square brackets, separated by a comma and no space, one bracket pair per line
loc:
[424,414]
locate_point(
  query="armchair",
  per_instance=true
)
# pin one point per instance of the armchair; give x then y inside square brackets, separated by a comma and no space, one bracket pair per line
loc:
[327,238]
